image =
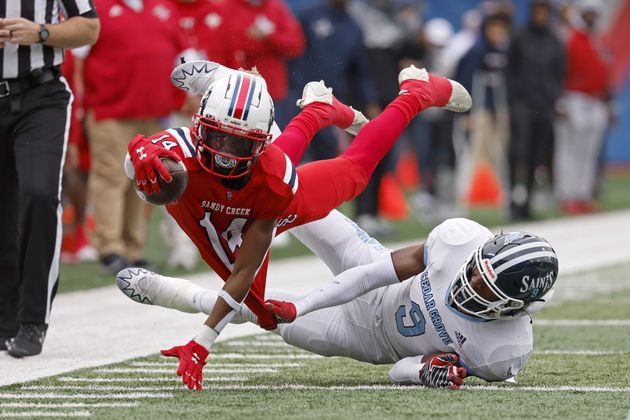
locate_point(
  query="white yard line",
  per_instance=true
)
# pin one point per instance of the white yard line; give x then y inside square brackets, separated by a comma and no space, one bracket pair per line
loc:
[581,322]
[79,413]
[79,396]
[70,405]
[147,379]
[102,388]
[266,356]
[582,352]
[550,388]
[254,343]
[101,326]
[169,371]
[221,365]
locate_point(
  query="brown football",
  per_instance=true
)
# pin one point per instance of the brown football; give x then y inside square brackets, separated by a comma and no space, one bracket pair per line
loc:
[169,191]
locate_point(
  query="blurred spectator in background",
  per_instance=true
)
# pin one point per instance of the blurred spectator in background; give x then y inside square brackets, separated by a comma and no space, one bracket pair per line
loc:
[297,6]
[388,26]
[535,71]
[458,45]
[127,91]
[434,145]
[206,28]
[461,42]
[584,112]
[335,52]
[76,170]
[482,71]
[265,34]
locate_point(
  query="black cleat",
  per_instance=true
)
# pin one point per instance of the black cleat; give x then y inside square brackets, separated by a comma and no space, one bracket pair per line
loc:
[142,263]
[3,341]
[113,263]
[28,341]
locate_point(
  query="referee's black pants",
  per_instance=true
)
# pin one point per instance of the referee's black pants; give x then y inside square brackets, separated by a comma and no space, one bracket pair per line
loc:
[33,137]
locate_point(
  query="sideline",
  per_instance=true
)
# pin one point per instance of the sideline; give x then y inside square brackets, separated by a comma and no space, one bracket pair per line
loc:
[101,326]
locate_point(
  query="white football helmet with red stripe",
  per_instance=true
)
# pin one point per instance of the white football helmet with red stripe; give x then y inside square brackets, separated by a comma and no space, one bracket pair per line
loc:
[232,127]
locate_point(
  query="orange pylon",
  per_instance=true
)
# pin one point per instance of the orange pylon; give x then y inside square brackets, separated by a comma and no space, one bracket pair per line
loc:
[392,201]
[485,189]
[67,218]
[407,171]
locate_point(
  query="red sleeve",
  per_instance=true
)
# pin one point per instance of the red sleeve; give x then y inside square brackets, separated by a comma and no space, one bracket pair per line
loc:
[213,32]
[181,43]
[287,40]
[275,203]
[277,177]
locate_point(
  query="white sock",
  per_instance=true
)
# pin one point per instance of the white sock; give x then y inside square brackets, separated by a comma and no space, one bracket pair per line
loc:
[169,292]
[204,300]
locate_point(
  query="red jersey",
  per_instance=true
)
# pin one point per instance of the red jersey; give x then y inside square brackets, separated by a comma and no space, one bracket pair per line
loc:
[587,70]
[216,218]
[127,71]
[269,55]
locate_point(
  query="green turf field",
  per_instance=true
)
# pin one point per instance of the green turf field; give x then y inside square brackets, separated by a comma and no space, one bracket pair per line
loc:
[580,369]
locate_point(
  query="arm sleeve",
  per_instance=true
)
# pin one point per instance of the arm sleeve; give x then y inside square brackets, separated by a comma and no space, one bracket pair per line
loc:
[499,370]
[500,351]
[349,285]
[84,8]
[406,371]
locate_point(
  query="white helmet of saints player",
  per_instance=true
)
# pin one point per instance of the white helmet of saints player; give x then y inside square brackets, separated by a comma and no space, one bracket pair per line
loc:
[516,268]
[232,127]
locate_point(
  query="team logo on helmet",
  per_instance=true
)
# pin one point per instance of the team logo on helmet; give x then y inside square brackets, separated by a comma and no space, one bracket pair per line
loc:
[508,238]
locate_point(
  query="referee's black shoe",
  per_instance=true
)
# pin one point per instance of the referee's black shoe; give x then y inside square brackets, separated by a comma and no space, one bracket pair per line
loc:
[3,341]
[28,340]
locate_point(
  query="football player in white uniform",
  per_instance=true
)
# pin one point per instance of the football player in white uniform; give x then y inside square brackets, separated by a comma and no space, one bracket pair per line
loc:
[454,306]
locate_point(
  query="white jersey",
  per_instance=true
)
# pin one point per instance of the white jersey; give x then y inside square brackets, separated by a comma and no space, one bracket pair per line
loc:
[418,321]
[410,318]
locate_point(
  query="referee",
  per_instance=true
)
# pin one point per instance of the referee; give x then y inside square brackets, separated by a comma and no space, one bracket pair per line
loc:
[35,104]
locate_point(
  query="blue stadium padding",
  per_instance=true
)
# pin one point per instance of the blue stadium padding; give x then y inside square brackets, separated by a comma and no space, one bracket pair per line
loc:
[618,142]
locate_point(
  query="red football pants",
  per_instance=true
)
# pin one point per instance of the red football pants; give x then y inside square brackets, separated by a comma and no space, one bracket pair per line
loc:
[324,185]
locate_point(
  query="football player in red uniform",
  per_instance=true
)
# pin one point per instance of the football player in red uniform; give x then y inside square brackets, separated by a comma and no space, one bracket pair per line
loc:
[242,189]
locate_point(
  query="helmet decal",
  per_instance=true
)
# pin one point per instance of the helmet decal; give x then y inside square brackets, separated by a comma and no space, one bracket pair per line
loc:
[525,252]
[511,237]
[242,97]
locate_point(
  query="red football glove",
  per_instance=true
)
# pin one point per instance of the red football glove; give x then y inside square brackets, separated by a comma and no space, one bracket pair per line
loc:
[442,372]
[267,321]
[192,358]
[284,311]
[145,157]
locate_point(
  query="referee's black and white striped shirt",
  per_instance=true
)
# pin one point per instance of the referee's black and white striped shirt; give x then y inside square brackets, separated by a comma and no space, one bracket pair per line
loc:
[20,60]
